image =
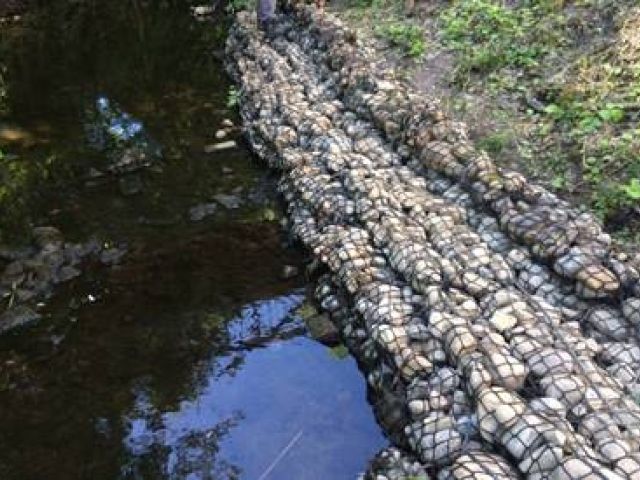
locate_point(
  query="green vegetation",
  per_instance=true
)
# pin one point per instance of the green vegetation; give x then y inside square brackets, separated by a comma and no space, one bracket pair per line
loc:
[17,178]
[577,69]
[306,310]
[495,143]
[593,105]
[548,85]
[387,20]
[339,352]
[489,35]
[409,38]
[233,97]
[238,5]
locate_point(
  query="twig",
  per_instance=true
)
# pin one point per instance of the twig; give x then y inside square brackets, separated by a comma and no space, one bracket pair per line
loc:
[281,455]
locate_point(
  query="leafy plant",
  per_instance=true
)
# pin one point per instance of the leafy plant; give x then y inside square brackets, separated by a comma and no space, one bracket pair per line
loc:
[495,143]
[233,97]
[632,189]
[559,182]
[306,310]
[339,352]
[554,111]
[409,38]
[611,113]
[489,35]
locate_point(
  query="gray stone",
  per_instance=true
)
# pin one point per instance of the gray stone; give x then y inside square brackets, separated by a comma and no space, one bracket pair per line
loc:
[200,212]
[230,201]
[218,147]
[322,329]
[48,237]
[289,271]
[67,273]
[20,316]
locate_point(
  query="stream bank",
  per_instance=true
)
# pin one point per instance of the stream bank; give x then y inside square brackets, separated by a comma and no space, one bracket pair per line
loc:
[547,88]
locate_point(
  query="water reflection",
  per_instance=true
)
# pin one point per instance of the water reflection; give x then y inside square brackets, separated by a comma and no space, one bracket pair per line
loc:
[142,75]
[109,124]
[151,381]
[120,136]
[287,410]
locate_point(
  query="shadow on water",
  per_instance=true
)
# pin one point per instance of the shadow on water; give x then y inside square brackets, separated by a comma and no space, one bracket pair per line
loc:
[186,360]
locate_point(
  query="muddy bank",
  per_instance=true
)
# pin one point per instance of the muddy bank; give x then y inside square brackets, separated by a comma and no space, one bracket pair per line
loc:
[497,326]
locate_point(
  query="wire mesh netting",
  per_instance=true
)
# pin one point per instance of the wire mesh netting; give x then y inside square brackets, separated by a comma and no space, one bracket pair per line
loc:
[498,328]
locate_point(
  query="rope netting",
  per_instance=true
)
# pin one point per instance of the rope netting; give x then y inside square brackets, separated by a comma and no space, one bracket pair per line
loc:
[497,327]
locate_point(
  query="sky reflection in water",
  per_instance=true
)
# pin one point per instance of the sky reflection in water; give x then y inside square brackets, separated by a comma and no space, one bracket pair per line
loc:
[290,392]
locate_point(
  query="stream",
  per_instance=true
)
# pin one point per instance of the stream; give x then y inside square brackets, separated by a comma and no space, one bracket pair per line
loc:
[182,351]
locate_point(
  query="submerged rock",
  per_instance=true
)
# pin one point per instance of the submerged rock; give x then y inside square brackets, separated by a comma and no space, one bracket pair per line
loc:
[218,147]
[202,10]
[289,271]
[112,255]
[130,185]
[48,237]
[19,316]
[200,212]
[322,329]
[67,273]
[228,201]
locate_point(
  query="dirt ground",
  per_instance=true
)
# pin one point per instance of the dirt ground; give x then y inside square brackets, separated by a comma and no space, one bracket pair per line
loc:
[566,114]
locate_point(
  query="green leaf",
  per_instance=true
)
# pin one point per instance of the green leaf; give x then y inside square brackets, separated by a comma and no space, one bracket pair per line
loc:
[558,182]
[306,310]
[632,189]
[589,124]
[339,352]
[611,114]
[554,111]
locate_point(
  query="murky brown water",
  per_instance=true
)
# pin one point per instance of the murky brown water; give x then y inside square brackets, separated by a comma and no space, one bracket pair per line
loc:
[143,370]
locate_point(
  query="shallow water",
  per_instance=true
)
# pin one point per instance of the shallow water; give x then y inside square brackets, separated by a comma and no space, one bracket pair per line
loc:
[290,411]
[187,359]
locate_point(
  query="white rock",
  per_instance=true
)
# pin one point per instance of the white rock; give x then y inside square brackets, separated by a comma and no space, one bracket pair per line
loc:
[507,371]
[574,468]
[631,310]
[549,361]
[489,401]
[502,319]
[542,459]
[629,466]
[441,446]
[548,405]
[613,449]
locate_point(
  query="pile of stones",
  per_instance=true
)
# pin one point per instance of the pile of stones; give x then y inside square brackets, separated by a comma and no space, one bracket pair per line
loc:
[498,327]
[29,275]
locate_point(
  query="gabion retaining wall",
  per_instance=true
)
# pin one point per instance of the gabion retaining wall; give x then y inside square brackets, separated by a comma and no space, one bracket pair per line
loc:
[497,326]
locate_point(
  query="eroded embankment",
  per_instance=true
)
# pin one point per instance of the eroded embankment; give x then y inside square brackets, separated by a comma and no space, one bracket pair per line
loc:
[497,325]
